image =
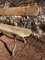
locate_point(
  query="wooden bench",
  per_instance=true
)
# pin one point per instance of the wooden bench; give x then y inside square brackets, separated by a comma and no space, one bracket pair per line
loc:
[19,31]
[18,11]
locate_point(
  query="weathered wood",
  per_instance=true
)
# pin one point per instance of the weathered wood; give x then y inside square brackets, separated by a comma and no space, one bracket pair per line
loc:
[20,11]
[21,32]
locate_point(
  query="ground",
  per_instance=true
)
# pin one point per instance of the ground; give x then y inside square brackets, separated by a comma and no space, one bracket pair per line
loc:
[32,50]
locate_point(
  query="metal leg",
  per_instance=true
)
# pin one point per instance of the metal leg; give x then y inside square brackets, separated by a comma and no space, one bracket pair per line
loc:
[14,47]
[24,40]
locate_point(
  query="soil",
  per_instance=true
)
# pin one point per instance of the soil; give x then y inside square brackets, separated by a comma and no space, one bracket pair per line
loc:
[32,50]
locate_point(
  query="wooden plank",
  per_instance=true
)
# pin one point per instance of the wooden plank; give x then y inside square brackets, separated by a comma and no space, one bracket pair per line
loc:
[20,11]
[21,32]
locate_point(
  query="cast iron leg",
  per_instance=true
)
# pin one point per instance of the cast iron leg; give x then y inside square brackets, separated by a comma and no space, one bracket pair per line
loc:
[14,47]
[24,40]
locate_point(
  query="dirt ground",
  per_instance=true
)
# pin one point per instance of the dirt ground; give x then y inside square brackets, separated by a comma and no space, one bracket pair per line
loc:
[30,51]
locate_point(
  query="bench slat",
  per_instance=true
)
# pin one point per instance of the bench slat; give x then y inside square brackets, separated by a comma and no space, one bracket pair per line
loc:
[22,32]
[20,11]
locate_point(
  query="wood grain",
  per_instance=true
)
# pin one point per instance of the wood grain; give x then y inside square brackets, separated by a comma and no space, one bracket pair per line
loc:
[19,31]
[20,11]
